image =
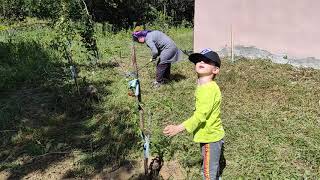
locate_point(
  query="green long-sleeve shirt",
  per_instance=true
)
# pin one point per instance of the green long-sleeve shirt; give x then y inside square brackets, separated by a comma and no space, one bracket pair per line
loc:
[205,124]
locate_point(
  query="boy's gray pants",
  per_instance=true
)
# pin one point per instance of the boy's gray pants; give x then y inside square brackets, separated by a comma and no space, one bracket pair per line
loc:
[213,160]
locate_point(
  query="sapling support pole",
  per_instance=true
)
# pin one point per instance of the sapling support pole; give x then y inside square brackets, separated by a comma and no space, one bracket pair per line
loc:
[232,44]
[72,67]
[144,136]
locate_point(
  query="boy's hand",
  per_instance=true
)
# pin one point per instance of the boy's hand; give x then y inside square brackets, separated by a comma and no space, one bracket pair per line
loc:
[172,130]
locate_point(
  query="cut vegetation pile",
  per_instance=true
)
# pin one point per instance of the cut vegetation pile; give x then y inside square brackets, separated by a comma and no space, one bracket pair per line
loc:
[271,112]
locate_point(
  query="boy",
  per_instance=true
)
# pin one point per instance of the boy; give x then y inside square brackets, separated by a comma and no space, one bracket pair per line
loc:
[205,124]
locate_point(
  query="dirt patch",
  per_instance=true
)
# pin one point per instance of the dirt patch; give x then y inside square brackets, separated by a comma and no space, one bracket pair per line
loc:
[172,170]
[126,171]
[47,167]
[4,174]
[59,169]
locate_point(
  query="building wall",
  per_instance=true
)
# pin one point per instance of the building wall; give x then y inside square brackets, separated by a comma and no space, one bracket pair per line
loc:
[289,27]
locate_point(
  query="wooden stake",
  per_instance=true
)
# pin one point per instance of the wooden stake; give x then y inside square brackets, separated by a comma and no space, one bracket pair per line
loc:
[232,48]
[138,98]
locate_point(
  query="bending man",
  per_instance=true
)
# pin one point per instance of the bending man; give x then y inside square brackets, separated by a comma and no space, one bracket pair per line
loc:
[161,46]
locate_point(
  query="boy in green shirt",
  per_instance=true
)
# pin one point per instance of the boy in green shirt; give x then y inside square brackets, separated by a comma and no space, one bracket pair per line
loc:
[205,124]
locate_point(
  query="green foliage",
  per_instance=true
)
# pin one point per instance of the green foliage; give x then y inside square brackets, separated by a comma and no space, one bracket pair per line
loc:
[121,14]
[44,9]
[178,11]
[69,32]
[66,37]
[161,22]
[20,9]
[89,40]
[21,59]
[13,9]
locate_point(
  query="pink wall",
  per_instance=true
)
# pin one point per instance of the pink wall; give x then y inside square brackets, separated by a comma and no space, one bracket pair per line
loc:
[291,27]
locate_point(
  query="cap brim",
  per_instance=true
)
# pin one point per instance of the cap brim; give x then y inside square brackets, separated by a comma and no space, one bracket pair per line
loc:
[196,57]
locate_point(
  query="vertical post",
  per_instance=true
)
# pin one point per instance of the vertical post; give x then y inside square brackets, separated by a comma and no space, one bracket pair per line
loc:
[134,59]
[135,67]
[165,11]
[86,9]
[141,112]
[232,45]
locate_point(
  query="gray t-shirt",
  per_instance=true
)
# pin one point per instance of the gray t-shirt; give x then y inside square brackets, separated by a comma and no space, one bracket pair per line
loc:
[163,46]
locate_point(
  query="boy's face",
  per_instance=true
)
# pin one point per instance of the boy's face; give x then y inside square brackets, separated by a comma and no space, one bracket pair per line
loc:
[206,67]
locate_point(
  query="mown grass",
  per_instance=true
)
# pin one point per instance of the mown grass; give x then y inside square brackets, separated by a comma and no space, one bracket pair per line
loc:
[271,115]
[271,112]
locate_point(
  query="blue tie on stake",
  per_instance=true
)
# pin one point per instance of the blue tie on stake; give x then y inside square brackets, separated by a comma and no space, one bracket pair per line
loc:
[146,145]
[134,85]
[73,71]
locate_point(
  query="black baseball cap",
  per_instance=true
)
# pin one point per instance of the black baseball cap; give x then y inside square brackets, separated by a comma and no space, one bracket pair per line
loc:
[205,54]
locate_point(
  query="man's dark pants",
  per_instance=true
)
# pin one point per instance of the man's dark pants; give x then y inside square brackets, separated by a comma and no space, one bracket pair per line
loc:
[163,72]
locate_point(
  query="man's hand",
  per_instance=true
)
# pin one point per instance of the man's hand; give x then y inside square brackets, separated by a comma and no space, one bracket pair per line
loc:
[172,130]
[152,59]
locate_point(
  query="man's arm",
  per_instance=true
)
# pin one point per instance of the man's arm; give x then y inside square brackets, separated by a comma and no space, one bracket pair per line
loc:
[152,46]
